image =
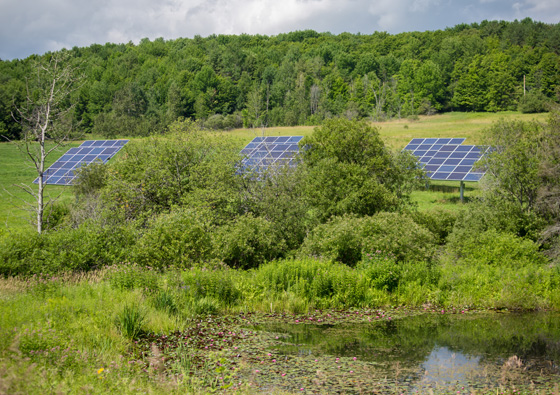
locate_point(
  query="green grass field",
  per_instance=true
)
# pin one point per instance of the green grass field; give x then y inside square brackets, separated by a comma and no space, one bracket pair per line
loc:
[16,170]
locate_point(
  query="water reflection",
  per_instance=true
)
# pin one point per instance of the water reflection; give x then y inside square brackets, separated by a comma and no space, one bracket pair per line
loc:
[444,366]
[433,351]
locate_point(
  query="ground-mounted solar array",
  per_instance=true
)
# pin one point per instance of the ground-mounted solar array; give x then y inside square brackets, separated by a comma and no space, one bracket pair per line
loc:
[447,158]
[262,153]
[63,171]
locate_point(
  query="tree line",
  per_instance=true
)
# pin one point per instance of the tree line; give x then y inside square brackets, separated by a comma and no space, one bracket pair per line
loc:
[302,77]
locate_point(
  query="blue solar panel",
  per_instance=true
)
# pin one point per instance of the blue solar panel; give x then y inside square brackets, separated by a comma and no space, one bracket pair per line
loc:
[262,153]
[63,171]
[447,158]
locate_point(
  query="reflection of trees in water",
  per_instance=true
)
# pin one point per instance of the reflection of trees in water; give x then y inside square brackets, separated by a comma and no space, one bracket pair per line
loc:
[400,347]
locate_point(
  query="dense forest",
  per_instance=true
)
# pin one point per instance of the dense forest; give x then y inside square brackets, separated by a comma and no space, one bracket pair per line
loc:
[302,77]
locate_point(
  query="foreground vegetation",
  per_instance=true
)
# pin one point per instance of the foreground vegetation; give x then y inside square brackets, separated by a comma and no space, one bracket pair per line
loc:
[131,329]
[151,273]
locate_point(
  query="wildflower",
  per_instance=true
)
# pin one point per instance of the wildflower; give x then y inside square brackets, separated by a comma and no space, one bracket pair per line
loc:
[99,371]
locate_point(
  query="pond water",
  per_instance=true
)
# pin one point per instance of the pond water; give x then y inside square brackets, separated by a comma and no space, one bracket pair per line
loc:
[470,352]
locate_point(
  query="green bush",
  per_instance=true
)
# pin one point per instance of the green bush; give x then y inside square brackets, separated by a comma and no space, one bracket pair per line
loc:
[180,238]
[338,240]
[399,235]
[348,239]
[248,242]
[439,222]
[85,248]
[499,249]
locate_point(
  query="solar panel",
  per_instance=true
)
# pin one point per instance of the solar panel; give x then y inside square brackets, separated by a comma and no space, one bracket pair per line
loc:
[263,153]
[63,171]
[447,158]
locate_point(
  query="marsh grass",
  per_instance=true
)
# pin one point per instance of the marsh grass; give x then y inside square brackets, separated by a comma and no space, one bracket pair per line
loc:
[60,331]
[130,321]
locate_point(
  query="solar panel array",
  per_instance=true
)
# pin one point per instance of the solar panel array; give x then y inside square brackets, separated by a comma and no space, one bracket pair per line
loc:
[447,158]
[63,171]
[263,153]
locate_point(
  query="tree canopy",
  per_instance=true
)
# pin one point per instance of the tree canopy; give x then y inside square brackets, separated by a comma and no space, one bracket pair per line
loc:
[225,81]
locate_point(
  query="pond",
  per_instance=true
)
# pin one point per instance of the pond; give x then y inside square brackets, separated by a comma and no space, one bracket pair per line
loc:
[481,352]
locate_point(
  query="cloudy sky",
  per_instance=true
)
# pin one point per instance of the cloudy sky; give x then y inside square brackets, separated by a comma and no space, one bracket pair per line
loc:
[37,26]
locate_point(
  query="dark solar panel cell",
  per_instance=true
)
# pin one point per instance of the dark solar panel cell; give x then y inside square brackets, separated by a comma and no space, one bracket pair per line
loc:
[468,162]
[269,139]
[444,141]
[425,159]
[464,148]
[431,153]
[110,151]
[447,148]
[60,172]
[473,177]
[447,169]
[419,141]
[424,147]
[412,147]
[431,167]
[453,162]
[442,154]
[419,153]
[458,155]
[463,169]
[457,141]
[282,139]
[473,155]
[456,176]
[437,161]
[439,176]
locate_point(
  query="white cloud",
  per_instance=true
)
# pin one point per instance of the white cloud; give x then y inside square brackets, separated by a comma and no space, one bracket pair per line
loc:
[36,26]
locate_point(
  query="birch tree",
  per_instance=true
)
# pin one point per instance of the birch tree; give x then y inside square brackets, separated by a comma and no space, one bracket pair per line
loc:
[46,120]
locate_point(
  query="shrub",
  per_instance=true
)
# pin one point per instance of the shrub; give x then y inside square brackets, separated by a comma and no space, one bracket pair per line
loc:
[84,248]
[248,242]
[397,234]
[500,249]
[347,239]
[337,240]
[439,222]
[180,238]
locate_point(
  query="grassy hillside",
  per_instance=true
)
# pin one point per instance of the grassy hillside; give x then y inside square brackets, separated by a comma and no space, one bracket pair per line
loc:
[15,170]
